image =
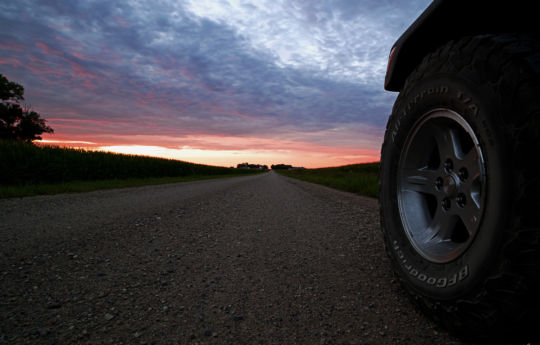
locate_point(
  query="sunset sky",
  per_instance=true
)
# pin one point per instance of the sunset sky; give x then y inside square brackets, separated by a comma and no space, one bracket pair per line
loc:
[217,82]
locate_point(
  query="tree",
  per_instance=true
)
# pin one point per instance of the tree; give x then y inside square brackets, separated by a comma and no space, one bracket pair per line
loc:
[17,122]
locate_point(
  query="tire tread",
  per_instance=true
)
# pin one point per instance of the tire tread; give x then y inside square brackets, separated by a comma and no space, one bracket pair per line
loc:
[513,281]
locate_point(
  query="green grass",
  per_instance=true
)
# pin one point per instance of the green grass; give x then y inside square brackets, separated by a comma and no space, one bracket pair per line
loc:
[88,186]
[27,169]
[356,178]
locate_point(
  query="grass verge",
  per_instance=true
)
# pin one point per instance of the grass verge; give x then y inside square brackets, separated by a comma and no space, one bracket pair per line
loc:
[361,179]
[88,186]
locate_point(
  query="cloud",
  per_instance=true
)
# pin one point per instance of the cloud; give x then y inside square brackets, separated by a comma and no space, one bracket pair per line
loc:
[339,39]
[273,70]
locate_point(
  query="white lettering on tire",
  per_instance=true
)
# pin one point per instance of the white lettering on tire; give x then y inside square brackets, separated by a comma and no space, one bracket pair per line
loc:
[439,282]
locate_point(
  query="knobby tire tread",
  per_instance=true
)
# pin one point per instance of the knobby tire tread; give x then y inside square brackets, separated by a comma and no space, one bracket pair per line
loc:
[513,281]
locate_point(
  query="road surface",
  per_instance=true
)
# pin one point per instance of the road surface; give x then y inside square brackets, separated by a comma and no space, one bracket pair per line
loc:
[260,259]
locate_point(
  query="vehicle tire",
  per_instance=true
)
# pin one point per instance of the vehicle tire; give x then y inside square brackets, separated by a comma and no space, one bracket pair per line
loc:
[459,187]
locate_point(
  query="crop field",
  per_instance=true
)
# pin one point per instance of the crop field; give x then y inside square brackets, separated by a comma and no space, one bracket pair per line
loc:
[27,169]
[356,178]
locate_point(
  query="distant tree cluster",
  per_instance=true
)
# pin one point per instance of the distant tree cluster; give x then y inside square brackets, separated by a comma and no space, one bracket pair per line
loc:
[252,166]
[281,167]
[17,122]
[285,167]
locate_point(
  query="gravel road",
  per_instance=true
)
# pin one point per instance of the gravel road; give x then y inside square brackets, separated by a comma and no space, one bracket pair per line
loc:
[260,259]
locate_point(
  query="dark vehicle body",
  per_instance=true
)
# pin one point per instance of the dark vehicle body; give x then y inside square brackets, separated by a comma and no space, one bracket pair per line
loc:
[446,20]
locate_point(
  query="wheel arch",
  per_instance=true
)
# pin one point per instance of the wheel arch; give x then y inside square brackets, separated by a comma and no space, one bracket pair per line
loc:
[446,20]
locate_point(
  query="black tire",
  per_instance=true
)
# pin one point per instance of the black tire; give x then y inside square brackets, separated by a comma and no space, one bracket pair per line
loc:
[478,271]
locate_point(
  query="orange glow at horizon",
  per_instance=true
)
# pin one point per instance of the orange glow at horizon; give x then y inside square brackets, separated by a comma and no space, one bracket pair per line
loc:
[301,154]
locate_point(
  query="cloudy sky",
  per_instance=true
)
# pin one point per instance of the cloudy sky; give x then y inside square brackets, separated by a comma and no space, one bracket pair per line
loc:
[211,81]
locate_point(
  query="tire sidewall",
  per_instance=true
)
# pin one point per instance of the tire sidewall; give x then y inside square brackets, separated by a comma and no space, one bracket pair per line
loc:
[478,105]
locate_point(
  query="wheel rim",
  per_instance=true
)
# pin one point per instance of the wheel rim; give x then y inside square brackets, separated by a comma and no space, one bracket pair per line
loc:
[441,186]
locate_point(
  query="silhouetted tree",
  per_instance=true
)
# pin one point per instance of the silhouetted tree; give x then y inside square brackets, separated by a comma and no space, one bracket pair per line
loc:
[16,122]
[281,166]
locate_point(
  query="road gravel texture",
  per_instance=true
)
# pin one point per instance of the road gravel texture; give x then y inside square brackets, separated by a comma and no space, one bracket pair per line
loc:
[262,259]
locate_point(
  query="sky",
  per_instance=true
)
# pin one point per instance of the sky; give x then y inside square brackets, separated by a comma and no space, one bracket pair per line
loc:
[217,82]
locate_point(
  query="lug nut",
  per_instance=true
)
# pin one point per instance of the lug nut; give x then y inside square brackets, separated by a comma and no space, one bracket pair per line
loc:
[461,200]
[446,204]
[463,174]
[439,182]
[448,164]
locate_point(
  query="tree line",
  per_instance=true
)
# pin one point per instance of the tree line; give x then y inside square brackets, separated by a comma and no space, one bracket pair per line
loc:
[17,122]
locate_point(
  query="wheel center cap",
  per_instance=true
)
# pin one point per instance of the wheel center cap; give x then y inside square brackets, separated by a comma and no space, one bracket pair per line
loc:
[450,186]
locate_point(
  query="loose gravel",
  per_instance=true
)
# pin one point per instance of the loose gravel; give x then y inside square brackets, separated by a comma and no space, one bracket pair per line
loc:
[250,260]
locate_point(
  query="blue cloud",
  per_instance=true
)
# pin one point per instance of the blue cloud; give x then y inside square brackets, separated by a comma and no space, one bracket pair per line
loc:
[185,72]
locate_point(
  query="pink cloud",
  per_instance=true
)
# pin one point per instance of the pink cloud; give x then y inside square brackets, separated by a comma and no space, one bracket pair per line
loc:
[225,151]
[11,46]
[86,76]
[88,122]
[14,49]
[44,67]
[49,51]
[11,61]
[143,106]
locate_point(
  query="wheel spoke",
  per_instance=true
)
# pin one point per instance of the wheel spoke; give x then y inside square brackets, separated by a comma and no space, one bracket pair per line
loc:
[441,226]
[471,162]
[419,180]
[473,179]
[470,216]
[446,140]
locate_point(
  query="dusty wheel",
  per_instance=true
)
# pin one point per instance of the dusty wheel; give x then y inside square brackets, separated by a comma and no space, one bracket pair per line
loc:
[459,188]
